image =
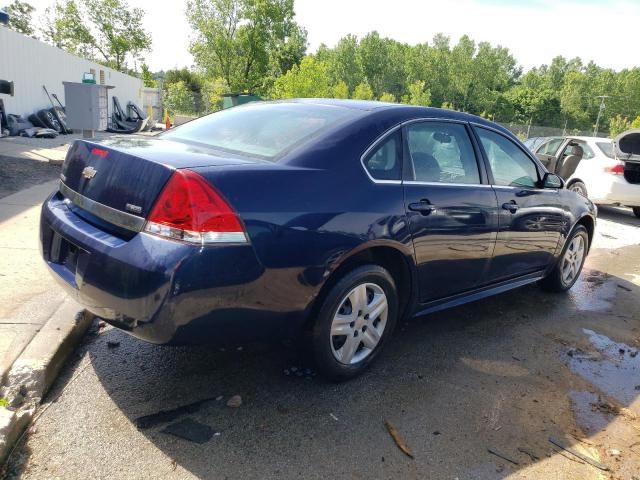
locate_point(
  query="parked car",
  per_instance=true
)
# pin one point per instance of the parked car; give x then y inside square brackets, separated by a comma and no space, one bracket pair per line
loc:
[591,167]
[319,221]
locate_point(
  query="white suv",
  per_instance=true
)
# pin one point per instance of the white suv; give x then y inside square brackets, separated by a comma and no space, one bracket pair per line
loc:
[595,167]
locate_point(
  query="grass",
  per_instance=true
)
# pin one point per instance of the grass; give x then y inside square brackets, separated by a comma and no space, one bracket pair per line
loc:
[4,402]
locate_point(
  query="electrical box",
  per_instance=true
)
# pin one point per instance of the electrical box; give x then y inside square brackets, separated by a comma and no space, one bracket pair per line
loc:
[86,105]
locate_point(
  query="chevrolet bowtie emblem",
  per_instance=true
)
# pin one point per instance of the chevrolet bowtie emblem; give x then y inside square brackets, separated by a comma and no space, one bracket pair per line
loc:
[89,172]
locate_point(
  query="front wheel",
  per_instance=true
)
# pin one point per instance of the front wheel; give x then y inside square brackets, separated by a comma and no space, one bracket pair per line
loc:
[636,211]
[579,188]
[568,268]
[354,322]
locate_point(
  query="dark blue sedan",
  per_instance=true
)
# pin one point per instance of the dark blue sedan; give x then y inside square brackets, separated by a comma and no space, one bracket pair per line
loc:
[326,220]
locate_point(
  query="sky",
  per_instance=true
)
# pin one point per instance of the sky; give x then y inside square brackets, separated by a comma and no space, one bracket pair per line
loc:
[535,31]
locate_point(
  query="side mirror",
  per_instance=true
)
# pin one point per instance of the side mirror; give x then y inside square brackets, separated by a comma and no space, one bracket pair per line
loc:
[551,180]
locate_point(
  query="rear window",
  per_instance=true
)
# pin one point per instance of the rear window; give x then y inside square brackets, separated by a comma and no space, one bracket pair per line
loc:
[264,130]
[606,148]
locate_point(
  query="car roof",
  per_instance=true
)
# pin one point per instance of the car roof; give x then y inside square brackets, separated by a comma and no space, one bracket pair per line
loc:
[591,139]
[411,110]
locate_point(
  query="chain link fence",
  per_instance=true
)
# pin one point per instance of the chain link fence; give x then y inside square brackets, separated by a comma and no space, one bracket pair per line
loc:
[524,131]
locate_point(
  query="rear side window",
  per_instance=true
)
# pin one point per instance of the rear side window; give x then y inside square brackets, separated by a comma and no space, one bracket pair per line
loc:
[551,147]
[606,148]
[264,130]
[384,162]
[509,164]
[442,153]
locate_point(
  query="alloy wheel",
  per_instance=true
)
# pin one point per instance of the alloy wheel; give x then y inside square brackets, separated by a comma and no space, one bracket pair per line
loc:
[572,260]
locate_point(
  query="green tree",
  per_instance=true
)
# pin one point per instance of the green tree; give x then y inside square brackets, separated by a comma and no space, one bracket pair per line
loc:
[344,64]
[147,76]
[178,98]
[418,95]
[363,92]
[310,79]
[383,64]
[65,28]
[618,124]
[212,94]
[636,122]
[340,90]
[109,31]
[387,97]
[239,40]
[20,17]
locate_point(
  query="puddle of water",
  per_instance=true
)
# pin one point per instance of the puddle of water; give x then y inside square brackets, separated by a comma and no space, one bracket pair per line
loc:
[615,371]
[593,291]
[590,422]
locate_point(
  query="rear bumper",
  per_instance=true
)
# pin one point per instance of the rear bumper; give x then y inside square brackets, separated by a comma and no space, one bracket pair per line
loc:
[615,190]
[164,291]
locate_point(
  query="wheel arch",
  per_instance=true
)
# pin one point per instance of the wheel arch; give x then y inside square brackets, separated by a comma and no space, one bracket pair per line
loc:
[395,258]
[590,224]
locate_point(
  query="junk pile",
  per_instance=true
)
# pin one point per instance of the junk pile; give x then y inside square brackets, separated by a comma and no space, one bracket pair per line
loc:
[133,121]
[45,123]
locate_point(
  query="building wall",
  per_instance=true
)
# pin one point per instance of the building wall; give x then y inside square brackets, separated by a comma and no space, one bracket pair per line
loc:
[30,64]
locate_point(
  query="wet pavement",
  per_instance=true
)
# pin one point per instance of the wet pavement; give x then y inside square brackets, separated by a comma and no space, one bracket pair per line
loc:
[475,392]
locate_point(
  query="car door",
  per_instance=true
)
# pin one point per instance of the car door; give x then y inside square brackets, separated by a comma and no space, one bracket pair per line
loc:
[530,218]
[450,209]
[547,153]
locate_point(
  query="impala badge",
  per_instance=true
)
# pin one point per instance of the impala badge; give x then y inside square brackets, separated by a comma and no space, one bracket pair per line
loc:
[89,172]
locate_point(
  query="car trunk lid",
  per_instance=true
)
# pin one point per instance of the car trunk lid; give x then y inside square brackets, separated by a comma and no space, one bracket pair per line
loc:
[127,174]
[627,147]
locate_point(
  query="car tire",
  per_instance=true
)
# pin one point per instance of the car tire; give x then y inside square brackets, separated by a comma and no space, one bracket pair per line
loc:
[354,322]
[579,188]
[636,211]
[568,267]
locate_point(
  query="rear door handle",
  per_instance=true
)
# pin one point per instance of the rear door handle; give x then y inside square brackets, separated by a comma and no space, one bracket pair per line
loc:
[424,207]
[512,206]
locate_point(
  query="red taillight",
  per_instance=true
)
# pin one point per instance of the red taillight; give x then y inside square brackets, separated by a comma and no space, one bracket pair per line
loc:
[617,169]
[191,210]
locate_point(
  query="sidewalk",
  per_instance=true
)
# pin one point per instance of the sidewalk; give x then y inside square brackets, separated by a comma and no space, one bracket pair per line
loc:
[39,324]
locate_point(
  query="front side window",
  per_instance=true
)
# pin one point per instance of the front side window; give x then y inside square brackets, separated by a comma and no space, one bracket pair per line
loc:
[442,153]
[384,162]
[509,164]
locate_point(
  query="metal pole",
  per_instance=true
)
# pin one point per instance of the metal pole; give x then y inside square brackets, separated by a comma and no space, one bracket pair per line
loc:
[600,110]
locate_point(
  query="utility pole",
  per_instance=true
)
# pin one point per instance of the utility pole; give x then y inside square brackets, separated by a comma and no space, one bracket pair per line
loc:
[602,98]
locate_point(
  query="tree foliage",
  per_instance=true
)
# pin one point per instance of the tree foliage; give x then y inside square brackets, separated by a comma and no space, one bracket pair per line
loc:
[245,42]
[20,20]
[109,31]
[309,79]
[178,98]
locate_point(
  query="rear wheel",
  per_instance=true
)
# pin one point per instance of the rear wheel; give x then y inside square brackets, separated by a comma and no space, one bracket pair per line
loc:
[636,211]
[568,268]
[579,187]
[354,322]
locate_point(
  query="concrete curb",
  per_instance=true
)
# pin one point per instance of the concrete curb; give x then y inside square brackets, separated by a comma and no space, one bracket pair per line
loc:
[35,370]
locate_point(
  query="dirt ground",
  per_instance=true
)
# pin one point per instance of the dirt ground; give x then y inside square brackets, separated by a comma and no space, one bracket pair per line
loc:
[19,173]
[495,389]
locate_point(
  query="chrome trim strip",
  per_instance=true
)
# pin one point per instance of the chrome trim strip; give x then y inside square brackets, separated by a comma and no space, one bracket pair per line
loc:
[108,214]
[391,131]
[447,184]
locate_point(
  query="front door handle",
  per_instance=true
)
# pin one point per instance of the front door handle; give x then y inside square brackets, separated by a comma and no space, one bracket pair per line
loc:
[424,207]
[512,206]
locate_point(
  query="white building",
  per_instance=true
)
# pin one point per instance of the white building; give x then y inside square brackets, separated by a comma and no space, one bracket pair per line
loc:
[30,64]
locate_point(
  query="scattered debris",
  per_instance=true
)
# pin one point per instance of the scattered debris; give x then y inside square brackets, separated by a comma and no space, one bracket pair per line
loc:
[437,432]
[614,452]
[498,428]
[624,288]
[164,416]
[235,401]
[529,453]
[219,397]
[637,387]
[633,354]
[398,439]
[333,416]
[174,465]
[502,456]
[515,358]
[191,430]
[112,344]
[605,407]
[577,454]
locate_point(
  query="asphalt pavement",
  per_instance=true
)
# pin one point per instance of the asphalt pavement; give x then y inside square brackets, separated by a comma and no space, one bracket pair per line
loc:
[474,392]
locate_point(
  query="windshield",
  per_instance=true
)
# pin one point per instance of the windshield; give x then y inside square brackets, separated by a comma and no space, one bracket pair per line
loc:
[265,130]
[606,148]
